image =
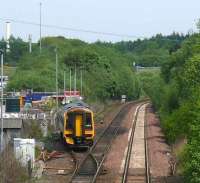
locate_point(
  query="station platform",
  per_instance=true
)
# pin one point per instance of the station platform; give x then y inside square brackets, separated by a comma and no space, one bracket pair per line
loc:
[137,160]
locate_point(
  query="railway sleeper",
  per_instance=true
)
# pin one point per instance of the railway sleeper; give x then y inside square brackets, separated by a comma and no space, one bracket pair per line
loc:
[136,171]
[82,179]
[136,179]
[89,167]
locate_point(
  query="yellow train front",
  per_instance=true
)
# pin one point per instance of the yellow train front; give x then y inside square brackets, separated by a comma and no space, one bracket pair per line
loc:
[76,124]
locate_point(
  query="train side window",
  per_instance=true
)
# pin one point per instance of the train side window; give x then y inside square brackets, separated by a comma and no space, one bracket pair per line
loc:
[70,120]
[88,120]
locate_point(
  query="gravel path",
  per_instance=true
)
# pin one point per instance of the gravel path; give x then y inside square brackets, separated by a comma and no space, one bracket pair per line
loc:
[159,151]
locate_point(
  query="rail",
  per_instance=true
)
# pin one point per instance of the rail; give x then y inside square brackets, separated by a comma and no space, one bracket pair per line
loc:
[88,172]
[91,165]
[125,175]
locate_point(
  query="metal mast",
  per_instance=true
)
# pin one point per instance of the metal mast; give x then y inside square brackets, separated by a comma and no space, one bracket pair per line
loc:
[70,81]
[64,83]
[81,82]
[1,52]
[56,78]
[40,27]
[64,87]
[75,80]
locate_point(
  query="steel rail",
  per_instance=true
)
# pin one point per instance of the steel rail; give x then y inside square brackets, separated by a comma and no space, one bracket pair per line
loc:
[115,124]
[110,131]
[130,145]
[148,176]
[102,161]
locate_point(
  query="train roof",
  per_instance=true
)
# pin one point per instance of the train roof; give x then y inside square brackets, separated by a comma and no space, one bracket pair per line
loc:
[78,104]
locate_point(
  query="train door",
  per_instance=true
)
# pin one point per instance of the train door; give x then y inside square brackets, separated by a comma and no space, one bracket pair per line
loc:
[79,123]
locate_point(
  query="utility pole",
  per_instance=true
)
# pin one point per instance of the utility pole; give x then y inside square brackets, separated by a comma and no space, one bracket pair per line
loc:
[30,43]
[1,52]
[64,83]
[40,27]
[64,87]
[70,82]
[75,79]
[81,82]
[56,78]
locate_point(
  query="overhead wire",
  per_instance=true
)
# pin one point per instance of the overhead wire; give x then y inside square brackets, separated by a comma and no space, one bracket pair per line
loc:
[72,29]
[80,30]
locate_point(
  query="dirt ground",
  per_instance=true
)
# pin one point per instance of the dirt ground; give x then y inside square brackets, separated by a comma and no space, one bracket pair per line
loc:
[158,150]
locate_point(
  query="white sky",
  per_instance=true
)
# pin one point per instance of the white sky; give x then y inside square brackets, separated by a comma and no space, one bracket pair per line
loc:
[132,17]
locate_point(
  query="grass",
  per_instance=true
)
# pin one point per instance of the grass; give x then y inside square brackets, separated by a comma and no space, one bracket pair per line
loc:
[9,71]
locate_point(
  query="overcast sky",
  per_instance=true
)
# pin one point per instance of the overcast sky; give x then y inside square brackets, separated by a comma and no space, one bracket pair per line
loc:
[140,18]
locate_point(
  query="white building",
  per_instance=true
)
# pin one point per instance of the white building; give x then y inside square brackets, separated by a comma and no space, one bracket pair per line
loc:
[5,81]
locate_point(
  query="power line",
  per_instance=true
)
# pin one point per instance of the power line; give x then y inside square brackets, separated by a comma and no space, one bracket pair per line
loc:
[80,30]
[71,29]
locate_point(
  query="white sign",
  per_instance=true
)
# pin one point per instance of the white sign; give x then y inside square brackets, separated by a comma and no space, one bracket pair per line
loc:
[123,98]
[24,150]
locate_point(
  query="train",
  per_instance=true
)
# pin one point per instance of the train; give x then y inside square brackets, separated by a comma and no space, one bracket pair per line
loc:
[75,122]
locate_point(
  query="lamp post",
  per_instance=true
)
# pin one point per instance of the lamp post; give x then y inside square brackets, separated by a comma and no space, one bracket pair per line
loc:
[1,53]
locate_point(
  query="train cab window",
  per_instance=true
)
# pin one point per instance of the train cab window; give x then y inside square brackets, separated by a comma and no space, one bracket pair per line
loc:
[70,121]
[88,120]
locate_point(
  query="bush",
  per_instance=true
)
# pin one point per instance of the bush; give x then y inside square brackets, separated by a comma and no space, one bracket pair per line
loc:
[11,170]
[191,157]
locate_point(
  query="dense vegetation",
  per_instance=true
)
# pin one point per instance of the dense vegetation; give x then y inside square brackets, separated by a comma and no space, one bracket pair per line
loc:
[17,48]
[149,52]
[107,67]
[107,74]
[175,94]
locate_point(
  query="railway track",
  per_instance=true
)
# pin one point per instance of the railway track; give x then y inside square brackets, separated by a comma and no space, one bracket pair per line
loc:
[57,169]
[137,171]
[91,166]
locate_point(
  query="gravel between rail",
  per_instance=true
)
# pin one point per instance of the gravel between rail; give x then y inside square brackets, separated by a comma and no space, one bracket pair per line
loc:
[113,161]
[51,176]
[99,150]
